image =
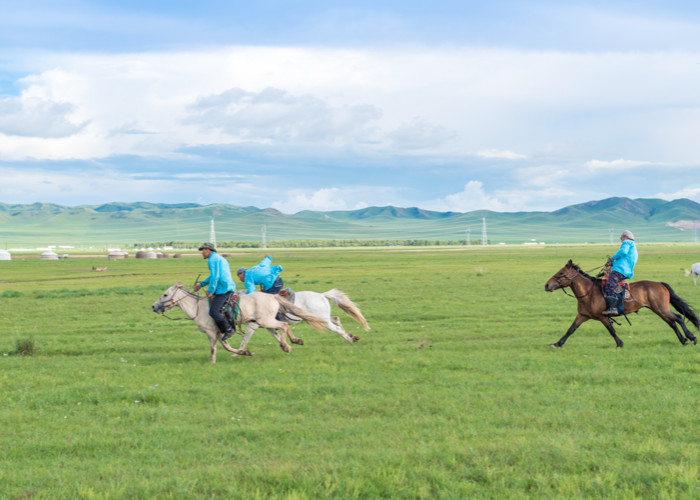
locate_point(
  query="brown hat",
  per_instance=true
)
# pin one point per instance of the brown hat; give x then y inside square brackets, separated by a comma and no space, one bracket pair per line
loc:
[209,246]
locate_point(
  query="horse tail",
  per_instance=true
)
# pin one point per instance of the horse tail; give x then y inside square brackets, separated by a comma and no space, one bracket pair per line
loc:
[348,306]
[314,321]
[683,307]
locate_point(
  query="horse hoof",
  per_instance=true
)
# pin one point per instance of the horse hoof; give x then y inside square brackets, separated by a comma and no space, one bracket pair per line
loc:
[286,348]
[554,346]
[298,342]
[355,338]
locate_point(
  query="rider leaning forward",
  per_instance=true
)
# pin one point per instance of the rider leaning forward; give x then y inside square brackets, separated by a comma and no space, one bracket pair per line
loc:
[219,286]
[623,263]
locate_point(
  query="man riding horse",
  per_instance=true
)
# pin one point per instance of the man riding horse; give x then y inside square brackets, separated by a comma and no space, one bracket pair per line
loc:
[219,286]
[623,263]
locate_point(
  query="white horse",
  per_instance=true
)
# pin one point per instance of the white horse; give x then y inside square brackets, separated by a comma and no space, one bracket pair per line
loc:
[695,271]
[318,304]
[256,309]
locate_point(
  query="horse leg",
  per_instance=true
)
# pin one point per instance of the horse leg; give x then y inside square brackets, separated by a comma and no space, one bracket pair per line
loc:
[249,331]
[336,326]
[212,345]
[292,338]
[577,322]
[280,338]
[671,318]
[608,324]
[688,334]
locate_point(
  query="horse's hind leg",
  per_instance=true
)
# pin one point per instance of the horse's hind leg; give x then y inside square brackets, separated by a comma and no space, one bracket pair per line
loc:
[334,325]
[688,334]
[671,318]
[280,337]
[608,324]
[293,339]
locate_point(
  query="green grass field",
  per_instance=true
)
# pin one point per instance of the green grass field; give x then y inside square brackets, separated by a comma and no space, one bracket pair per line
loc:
[454,393]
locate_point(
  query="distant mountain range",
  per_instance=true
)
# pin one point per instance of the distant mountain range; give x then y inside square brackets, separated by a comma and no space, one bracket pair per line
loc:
[126,224]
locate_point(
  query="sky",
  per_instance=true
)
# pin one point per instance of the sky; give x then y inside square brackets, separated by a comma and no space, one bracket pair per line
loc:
[328,105]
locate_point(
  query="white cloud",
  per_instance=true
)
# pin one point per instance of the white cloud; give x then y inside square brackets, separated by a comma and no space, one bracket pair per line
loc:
[276,115]
[465,98]
[692,193]
[619,164]
[473,197]
[419,134]
[495,153]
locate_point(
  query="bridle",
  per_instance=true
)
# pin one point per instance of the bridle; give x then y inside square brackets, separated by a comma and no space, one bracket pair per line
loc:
[571,279]
[172,302]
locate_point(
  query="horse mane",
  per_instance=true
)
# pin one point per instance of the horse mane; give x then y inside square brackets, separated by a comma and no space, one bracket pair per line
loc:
[583,273]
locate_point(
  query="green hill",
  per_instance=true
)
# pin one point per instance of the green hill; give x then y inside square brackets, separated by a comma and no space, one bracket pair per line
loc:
[125,224]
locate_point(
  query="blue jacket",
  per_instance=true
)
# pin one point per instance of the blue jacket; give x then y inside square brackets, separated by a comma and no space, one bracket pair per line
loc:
[262,274]
[219,280]
[625,259]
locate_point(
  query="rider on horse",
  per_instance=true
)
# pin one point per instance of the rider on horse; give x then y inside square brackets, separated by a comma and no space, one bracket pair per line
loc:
[623,263]
[219,285]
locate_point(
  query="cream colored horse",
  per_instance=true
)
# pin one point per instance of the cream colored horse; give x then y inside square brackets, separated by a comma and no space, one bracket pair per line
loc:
[319,305]
[256,309]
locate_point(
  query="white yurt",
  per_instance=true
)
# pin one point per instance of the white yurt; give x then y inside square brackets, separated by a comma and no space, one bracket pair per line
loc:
[5,255]
[116,254]
[151,255]
[49,255]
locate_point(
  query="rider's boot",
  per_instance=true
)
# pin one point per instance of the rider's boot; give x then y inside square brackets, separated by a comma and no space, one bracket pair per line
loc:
[612,303]
[225,328]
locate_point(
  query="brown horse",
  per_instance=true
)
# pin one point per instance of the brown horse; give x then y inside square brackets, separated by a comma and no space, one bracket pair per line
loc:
[591,302]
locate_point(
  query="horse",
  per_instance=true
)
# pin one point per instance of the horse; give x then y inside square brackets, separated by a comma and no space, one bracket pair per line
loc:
[256,309]
[591,302]
[695,271]
[319,305]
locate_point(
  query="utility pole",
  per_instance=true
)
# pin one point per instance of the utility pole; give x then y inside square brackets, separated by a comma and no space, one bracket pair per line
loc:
[484,238]
[212,233]
[263,229]
[611,231]
[469,235]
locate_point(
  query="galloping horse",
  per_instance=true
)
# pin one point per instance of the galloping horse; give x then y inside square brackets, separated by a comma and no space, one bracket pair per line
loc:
[256,309]
[591,302]
[319,305]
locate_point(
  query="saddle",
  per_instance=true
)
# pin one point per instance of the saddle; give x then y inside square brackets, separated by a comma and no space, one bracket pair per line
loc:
[231,308]
[288,294]
[622,290]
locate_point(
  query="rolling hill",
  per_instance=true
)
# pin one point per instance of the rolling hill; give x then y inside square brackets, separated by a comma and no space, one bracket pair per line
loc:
[126,224]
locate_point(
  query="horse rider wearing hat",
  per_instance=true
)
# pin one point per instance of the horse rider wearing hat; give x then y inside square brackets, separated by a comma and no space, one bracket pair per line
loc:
[219,286]
[265,275]
[623,263]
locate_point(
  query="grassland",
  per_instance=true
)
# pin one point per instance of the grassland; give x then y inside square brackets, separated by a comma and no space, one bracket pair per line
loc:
[454,393]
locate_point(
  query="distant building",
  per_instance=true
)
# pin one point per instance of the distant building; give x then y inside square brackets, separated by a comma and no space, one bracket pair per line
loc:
[5,255]
[49,255]
[117,254]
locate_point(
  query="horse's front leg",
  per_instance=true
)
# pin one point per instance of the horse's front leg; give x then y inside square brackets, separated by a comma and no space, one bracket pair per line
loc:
[577,322]
[242,351]
[212,346]
[608,324]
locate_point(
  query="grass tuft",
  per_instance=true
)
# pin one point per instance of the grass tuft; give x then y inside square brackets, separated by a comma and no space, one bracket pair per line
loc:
[26,347]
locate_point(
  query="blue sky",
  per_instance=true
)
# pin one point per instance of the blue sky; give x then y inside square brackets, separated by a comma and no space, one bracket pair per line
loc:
[323,105]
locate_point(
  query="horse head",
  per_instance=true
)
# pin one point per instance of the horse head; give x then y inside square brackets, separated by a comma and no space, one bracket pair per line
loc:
[562,278]
[168,300]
